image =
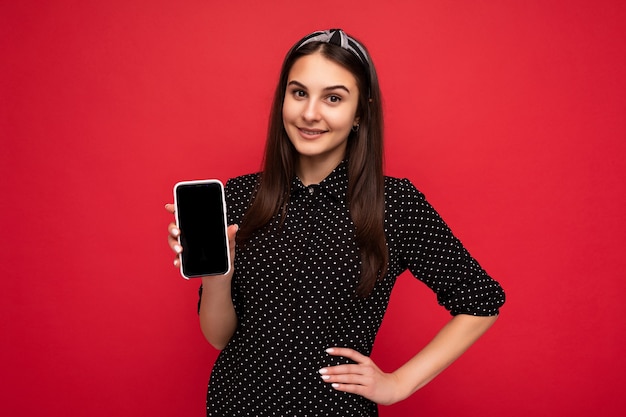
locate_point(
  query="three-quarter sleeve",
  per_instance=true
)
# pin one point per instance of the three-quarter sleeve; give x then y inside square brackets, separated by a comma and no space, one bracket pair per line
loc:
[435,256]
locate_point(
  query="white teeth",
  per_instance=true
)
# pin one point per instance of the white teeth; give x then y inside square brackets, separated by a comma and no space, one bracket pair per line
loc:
[310,132]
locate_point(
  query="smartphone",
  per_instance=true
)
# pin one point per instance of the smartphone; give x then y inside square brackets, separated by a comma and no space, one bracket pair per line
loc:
[201,219]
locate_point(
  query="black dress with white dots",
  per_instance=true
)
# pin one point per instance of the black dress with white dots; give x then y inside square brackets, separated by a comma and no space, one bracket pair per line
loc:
[294,294]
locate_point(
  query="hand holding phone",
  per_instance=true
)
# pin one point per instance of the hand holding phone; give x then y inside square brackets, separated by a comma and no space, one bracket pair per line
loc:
[200,212]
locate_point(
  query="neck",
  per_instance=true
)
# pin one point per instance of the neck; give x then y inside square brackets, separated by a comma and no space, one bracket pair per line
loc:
[313,170]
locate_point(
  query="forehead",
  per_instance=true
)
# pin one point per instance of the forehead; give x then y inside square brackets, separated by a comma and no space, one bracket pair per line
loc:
[315,70]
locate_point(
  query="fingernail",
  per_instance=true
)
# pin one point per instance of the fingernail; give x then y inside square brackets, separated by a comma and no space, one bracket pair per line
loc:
[178,248]
[330,350]
[323,371]
[334,385]
[325,377]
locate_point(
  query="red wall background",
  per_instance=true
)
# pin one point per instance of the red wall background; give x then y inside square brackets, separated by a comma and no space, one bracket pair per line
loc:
[510,116]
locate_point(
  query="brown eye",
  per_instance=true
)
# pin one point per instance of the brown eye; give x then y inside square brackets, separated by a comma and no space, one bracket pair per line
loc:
[299,93]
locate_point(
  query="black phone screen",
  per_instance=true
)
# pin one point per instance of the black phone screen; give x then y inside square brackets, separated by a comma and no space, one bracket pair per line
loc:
[201,220]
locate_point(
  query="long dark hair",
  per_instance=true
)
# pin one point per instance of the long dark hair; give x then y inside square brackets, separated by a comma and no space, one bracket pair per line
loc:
[365,164]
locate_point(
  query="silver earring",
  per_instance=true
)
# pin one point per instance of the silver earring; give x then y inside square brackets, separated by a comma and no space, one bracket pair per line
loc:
[355,128]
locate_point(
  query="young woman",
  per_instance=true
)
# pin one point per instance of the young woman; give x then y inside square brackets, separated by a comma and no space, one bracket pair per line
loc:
[318,239]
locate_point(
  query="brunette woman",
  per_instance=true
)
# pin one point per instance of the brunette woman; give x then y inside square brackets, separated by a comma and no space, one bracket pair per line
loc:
[318,239]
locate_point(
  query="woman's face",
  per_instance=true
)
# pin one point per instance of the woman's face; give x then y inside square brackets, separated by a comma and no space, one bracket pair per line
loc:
[320,108]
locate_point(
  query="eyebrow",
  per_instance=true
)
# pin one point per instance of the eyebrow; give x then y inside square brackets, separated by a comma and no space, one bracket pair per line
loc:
[329,88]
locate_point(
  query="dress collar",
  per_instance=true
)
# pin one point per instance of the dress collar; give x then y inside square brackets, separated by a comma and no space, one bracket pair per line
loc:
[335,184]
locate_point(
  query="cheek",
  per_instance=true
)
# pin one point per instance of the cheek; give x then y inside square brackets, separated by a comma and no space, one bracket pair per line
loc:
[290,112]
[341,121]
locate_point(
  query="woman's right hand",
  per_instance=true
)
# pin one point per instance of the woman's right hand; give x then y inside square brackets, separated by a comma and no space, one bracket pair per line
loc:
[174,233]
[172,239]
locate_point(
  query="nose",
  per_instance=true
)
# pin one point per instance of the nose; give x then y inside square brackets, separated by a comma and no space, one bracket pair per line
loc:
[311,111]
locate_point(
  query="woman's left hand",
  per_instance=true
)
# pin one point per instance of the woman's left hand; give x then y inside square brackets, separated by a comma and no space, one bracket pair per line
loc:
[363,378]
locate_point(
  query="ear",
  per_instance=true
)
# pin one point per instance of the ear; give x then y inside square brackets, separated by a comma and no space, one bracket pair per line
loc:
[357,120]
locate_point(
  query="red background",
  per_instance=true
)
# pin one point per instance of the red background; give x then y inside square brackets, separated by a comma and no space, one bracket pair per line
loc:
[509,116]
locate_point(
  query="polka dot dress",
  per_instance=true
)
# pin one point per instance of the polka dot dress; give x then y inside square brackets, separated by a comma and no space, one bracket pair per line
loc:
[294,294]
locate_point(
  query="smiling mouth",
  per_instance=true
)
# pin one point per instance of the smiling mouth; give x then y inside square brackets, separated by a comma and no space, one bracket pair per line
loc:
[312,132]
